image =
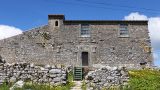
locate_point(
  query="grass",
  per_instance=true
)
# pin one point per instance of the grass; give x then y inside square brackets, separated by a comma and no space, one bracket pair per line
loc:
[4,87]
[144,80]
[36,86]
[42,87]
[84,86]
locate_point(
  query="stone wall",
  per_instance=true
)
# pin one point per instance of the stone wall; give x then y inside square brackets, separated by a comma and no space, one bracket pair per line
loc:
[54,75]
[64,44]
[107,77]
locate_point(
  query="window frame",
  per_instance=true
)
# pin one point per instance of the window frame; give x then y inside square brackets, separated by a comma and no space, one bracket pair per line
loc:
[123,28]
[85,30]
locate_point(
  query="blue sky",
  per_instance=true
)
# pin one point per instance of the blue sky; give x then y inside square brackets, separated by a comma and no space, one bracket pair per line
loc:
[27,14]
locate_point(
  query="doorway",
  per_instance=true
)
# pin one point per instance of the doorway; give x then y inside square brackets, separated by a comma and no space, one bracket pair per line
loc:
[84,58]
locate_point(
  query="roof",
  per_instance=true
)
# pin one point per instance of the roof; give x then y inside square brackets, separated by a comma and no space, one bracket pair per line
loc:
[62,16]
[56,16]
[108,21]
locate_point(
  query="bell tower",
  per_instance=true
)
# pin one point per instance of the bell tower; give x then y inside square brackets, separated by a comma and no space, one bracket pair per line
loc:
[55,21]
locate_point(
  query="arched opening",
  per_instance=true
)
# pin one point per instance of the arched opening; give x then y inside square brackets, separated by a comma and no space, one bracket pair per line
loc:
[56,23]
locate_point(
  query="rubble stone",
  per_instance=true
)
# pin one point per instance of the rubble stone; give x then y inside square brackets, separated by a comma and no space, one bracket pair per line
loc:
[106,77]
[27,71]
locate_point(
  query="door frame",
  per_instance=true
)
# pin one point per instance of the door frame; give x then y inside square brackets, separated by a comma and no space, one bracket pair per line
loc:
[82,58]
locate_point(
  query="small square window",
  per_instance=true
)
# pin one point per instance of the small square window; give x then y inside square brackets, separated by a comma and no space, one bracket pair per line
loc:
[123,30]
[85,32]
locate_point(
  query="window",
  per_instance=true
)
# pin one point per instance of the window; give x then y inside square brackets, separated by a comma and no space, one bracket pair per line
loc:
[123,32]
[85,30]
[56,23]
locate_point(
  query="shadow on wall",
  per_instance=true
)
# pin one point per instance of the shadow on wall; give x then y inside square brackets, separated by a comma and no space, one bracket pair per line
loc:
[1,59]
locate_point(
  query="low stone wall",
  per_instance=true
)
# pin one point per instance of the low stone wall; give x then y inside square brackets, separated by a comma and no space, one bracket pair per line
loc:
[24,71]
[107,77]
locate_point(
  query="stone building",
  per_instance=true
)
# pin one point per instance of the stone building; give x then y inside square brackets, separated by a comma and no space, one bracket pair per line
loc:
[81,43]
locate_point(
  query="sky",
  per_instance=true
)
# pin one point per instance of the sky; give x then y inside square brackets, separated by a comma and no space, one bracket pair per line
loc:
[17,16]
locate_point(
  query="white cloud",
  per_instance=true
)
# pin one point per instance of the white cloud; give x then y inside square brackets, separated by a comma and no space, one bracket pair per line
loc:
[154,30]
[8,31]
[135,16]
[156,56]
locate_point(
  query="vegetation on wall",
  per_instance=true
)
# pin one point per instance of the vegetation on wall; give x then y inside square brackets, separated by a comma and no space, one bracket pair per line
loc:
[41,44]
[46,36]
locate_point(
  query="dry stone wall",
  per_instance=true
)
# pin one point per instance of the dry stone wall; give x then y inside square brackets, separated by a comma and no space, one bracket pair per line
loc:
[107,77]
[54,75]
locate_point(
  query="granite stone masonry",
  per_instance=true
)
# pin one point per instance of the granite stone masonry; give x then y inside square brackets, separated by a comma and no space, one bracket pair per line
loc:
[30,72]
[81,43]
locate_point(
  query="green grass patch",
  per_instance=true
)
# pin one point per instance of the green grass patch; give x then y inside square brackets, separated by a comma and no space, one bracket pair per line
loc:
[4,87]
[35,86]
[84,86]
[144,80]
